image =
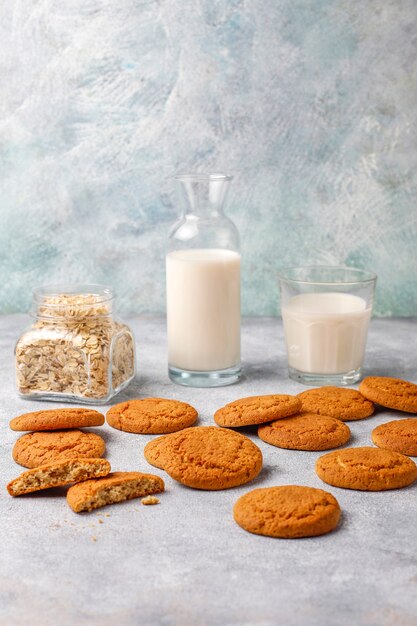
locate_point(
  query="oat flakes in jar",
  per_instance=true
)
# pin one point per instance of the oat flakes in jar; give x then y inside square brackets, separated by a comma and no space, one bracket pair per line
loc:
[75,350]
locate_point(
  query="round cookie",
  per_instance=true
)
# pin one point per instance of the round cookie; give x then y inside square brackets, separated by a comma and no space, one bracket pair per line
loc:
[307,431]
[57,419]
[289,511]
[212,458]
[392,393]
[38,448]
[341,403]
[399,435]
[151,416]
[256,410]
[366,469]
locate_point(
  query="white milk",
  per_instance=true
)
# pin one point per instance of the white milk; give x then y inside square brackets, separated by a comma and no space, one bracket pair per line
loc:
[326,333]
[203,309]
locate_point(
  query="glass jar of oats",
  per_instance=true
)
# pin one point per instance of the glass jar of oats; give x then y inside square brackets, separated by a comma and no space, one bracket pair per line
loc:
[76,350]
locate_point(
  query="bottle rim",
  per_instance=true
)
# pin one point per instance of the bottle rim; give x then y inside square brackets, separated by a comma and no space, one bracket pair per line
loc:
[197,177]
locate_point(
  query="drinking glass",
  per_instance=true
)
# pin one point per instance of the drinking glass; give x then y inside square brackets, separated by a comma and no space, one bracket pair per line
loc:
[326,312]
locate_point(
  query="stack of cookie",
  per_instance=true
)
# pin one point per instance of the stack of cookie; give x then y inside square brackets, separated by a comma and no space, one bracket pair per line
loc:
[60,454]
[311,421]
[55,436]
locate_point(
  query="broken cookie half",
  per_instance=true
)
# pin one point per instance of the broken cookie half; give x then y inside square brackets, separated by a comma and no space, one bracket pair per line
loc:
[116,487]
[58,474]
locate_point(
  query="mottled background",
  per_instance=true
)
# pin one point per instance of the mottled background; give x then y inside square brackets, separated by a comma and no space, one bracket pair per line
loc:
[311,104]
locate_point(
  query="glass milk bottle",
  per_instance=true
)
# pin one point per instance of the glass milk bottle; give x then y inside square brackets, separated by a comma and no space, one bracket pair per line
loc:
[203,286]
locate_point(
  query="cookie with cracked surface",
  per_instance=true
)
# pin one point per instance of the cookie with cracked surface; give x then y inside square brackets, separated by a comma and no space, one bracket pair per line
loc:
[399,435]
[308,431]
[341,403]
[58,474]
[288,512]
[392,393]
[116,487]
[151,416]
[366,469]
[256,410]
[212,458]
[38,448]
[57,419]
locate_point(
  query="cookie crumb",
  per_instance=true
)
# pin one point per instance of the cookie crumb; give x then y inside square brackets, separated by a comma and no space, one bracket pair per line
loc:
[100,521]
[94,538]
[150,500]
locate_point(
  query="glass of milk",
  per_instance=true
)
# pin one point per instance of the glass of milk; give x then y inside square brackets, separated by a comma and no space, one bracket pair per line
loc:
[203,286]
[326,312]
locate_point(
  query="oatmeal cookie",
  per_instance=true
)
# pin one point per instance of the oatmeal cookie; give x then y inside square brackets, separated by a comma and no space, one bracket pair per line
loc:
[366,469]
[289,511]
[151,416]
[256,410]
[341,403]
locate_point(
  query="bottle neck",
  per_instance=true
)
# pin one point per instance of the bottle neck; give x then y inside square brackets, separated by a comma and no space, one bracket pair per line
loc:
[203,196]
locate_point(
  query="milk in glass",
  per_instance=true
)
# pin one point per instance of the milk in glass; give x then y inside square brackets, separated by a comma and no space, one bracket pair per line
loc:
[326,333]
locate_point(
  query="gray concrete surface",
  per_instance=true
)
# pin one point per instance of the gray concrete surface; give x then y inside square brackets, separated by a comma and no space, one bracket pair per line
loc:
[185,562]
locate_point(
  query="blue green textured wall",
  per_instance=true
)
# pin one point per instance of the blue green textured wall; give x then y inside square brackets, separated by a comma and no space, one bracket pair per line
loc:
[310,104]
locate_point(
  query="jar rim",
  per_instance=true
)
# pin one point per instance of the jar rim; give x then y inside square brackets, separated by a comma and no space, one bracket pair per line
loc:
[72,301]
[102,293]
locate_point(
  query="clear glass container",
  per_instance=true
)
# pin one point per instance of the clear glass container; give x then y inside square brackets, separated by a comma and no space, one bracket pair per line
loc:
[203,286]
[326,312]
[75,350]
